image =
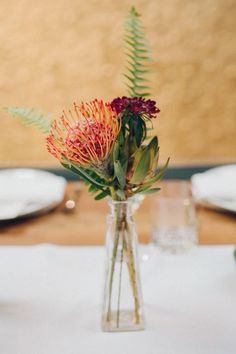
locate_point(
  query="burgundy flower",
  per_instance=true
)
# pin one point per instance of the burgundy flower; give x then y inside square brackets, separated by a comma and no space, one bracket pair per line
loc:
[135,105]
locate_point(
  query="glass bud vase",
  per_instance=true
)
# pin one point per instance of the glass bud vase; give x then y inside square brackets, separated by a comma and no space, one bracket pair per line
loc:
[122,307]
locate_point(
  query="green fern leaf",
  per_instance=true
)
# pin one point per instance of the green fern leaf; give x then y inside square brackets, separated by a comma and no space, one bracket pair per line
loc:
[137,54]
[31,116]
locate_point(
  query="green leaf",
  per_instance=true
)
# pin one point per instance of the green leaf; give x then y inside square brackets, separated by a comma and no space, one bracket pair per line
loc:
[81,172]
[141,87]
[137,156]
[30,116]
[119,172]
[137,78]
[138,43]
[124,162]
[137,54]
[145,94]
[140,131]
[156,177]
[92,189]
[120,139]
[153,146]
[136,71]
[149,191]
[144,160]
[115,152]
[142,167]
[160,173]
[101,195]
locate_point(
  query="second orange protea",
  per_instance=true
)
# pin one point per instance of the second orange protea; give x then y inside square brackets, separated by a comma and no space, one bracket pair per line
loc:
[85,135]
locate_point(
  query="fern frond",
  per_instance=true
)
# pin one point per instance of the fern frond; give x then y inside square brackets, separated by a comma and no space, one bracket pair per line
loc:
[137,54]
[31,116]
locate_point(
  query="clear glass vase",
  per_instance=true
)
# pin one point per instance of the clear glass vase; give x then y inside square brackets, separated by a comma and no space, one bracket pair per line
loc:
[122,307]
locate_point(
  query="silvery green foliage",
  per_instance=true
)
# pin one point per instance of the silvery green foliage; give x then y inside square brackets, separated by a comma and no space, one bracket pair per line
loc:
[31,116]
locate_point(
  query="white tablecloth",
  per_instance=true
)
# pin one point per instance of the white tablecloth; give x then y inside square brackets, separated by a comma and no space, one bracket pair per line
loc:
[50,302]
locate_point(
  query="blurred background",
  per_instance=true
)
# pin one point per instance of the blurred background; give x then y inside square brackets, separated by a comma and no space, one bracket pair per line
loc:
[55,52]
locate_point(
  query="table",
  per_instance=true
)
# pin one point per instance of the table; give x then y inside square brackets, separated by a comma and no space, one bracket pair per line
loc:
[50,302]
[50,295]
[87,225]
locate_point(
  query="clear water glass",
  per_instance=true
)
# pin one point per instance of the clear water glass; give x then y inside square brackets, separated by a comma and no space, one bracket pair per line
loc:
[174,226]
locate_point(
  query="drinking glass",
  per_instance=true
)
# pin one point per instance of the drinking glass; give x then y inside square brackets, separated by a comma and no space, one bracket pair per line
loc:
[174,226]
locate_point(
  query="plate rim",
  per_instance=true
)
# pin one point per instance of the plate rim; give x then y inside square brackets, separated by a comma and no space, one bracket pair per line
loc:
[206,201]
[44,208]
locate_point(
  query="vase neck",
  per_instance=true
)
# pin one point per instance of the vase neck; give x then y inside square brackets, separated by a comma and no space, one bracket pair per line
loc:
[121,209]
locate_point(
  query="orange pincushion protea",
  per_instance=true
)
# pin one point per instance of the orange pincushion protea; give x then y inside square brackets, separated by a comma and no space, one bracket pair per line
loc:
[86,135]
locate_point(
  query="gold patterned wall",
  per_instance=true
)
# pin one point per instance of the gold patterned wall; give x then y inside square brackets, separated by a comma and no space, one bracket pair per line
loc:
[55,52]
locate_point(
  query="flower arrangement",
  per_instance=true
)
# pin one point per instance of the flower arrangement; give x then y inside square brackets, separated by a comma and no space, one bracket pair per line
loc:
[108,144]
[104,144]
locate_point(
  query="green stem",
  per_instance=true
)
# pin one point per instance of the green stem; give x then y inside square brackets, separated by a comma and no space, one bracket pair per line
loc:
[122,230]
[113,260]
[132,274]
[113,193]
[120,277]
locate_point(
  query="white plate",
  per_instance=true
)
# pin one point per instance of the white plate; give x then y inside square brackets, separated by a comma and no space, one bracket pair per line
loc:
[216,188]
[25,192]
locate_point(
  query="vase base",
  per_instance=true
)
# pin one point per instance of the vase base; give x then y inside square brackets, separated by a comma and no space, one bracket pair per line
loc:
[126,322]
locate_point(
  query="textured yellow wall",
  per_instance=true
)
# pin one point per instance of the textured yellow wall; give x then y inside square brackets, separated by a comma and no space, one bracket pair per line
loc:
[55,52]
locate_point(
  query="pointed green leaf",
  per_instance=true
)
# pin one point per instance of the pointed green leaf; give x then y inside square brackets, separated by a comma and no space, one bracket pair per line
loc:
[140,131]
[160,173]
[149,191]
[115,152]
[119,173]
[101,195]
[136,71]
[129,78]
[153,149]
[139,87]
[92,189]
[143,94]
[142,168]
[157,176]
[137,156]
[81,172]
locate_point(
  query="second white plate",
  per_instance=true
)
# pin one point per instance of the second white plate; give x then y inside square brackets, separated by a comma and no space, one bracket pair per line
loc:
[216,188]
